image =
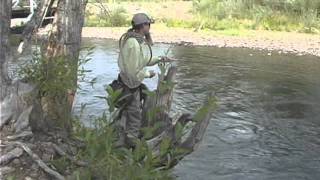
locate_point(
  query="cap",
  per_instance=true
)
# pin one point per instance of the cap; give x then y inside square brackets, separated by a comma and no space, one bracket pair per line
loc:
[141,18]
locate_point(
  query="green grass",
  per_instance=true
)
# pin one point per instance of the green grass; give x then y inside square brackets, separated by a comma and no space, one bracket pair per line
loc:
[231,16]
[294,15]
[180,23]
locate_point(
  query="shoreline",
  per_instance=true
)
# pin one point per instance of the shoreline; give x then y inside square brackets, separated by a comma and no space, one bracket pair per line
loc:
[282,42]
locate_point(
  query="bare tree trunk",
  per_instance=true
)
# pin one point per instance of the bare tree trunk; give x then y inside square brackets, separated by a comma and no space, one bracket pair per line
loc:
[5,19]
[64,42]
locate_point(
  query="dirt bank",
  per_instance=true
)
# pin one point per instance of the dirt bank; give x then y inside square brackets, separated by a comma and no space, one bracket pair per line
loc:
[282,42]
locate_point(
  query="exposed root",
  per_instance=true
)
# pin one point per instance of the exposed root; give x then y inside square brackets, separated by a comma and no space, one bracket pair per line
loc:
[15,153]
[21,135]
[37,159]
[63,153]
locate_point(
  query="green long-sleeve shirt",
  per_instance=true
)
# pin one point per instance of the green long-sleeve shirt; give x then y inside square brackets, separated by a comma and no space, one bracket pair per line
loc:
[132,60]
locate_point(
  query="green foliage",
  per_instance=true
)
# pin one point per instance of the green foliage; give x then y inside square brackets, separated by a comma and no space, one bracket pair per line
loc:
[106,161]
[211,104]
[112,99]
[109,162]
[56,75]
[117,1]
[278,15]
[53,76]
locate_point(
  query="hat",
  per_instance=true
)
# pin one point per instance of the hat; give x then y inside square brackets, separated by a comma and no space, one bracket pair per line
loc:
[141,18]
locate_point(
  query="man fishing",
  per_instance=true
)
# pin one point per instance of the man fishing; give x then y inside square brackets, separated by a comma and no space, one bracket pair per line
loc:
[135,54]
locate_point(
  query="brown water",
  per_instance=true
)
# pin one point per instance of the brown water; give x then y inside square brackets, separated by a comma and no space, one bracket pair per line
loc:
[267,125]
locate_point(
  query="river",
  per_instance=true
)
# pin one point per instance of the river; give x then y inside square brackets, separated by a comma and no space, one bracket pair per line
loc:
[266,126]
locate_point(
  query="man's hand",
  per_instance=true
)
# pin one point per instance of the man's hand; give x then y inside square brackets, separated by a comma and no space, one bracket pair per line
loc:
[166,59]
[152,73]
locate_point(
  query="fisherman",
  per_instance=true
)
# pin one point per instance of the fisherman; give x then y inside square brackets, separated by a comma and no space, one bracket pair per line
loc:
[135,54]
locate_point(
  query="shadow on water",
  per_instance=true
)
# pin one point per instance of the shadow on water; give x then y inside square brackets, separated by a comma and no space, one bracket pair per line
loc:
[267,125]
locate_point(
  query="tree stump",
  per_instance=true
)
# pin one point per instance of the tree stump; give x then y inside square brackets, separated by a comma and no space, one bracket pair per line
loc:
[156,116]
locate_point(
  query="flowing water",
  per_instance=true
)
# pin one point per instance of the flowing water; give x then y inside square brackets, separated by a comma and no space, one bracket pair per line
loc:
[267,124]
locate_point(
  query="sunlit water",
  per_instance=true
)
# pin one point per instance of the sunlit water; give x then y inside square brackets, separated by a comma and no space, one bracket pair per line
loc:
[267,125]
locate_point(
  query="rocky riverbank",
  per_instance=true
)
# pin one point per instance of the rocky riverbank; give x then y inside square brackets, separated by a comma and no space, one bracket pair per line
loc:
[279,42]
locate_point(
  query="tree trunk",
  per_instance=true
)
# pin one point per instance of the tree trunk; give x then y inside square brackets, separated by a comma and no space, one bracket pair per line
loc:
[64,42]
[32,26]
[18,102]
[157,107]
[5,19]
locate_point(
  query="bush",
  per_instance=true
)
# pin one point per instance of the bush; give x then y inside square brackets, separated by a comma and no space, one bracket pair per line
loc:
[54,76]
[107,162]
[117,18]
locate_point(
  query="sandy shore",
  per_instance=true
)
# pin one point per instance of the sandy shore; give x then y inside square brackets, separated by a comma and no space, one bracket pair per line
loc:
[282,42]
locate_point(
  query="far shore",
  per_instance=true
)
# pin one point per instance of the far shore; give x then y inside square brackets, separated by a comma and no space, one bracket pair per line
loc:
[281,42]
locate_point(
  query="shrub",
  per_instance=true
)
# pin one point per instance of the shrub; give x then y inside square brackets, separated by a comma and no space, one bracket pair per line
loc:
[117,18]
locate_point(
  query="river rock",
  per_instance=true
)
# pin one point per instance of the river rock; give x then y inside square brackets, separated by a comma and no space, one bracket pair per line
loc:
[16,161]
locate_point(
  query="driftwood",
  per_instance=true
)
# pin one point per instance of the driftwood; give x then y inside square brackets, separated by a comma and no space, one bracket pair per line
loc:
[156,113]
